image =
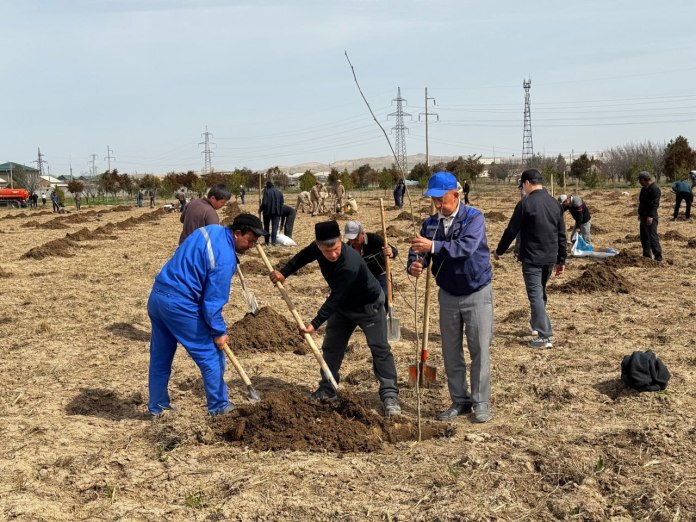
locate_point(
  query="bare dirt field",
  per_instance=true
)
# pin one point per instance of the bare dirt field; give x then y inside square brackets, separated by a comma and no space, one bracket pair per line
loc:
[567,442]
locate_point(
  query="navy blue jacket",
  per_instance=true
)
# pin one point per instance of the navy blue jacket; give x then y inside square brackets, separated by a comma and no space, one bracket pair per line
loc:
[272,202]
[461,260]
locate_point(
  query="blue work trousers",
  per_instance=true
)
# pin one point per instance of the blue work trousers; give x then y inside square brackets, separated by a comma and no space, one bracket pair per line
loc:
[174,319]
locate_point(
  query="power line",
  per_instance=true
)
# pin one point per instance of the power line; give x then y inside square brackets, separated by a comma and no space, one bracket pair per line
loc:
[527,147]
[109,157]
[400,128]
[207,153]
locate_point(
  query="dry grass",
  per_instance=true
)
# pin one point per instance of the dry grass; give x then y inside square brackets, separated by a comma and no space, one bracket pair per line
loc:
[567,442]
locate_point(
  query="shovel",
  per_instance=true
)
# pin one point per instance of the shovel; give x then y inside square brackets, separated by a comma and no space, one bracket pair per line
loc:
[251,392]
[250,298]
[393,325]
[422,373]
[286,297]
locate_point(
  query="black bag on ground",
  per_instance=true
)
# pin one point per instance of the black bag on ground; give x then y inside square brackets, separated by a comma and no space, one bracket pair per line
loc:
[644,371]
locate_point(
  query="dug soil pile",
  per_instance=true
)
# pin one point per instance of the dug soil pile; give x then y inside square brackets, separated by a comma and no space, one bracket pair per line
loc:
[272,333]
[57,247]
[691,243]
[597,278]
[393,231]
[231,211]
[4,274]
[624,259]
[404,216]
[673,235]
[288,420]
[254,267]
[495,217]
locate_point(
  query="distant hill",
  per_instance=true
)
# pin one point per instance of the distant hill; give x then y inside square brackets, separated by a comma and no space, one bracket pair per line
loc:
[376,163]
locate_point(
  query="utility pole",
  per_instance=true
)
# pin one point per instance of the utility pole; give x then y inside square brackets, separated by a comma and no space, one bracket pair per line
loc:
[109,157]
[400,131]
[94,165]
[207,153]
[527,148]
[427,152]
[40,161]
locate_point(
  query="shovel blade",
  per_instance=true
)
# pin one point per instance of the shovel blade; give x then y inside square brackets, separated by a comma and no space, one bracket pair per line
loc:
[253,394]
[393,327]
[428,375]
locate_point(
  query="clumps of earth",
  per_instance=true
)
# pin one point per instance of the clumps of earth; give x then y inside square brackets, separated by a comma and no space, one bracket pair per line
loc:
[271,333]
[673,235]
[393,231]
[4,274]
[691,243]
[57,248]
[231,211]
[254,267]
[307,269]
[597,278]
[625,259]
[495,217]
[404,216]
[288,420]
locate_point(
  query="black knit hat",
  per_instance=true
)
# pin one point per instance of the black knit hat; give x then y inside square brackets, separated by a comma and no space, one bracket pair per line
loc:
[248,222]
[327,230]
[531,175]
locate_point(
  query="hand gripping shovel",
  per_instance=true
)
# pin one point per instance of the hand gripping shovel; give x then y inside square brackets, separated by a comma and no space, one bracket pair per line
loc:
[251,392]
[291,306]
[393,325]
[250,298]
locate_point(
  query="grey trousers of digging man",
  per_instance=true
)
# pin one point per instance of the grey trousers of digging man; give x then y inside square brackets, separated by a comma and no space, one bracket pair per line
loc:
[470,315]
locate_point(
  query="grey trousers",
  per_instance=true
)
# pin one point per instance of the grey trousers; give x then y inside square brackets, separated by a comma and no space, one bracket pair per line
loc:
[585,231]
[372,320]
[535,279]
[471,315]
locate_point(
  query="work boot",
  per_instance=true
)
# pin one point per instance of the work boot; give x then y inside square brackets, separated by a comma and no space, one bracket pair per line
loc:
[166,411]
[391,407]
[482,412]
[457,408]
[323,395]
[541,342]
[230,407]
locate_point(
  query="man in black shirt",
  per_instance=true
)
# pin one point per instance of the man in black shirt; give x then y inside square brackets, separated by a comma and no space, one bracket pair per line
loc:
[372,249]
[539,220]
[356,300]
[648,203]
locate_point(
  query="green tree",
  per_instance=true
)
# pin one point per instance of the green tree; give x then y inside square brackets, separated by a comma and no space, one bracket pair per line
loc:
[361,176]
[307,180]
[679,159]
[75,186]
[386,179]
[420,173]
[149,182]
[347,180]
[580,166]
[108,182]
[472,167]
[126,183]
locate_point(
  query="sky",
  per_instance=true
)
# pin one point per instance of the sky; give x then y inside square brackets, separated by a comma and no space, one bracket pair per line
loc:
[270,81]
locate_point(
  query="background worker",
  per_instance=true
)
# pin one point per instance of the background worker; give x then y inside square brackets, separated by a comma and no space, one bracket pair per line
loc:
[185,306]
[682,191]
[453,243]
[466,189]
[538,219]
[315,196]
[203,211]
[371,248]
[181,198]
[287,220]
[648,203]
[304,203]
[340,196]
[356,299]
[580,213]
[272,207]
[399,192]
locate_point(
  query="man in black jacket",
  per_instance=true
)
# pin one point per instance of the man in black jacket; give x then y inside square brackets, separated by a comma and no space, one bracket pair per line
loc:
[272,208]
[539,220]
[580,213]
[648,203]
[372,249]
[355,300]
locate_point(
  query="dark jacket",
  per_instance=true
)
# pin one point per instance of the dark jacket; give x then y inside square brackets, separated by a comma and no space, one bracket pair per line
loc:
[681,186]
[461,259]
[373,255]
[272,202]
[538,219]
[579,211]
[644,371]
[352,285]
[649,201]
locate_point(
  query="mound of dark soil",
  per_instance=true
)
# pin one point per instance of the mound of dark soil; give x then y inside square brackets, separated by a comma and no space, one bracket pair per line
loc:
[514,315]
[597,278]
[121,208]
[307,269]
[54,224]
[691,243]
[596,229]
[495,217]
[624,259]
[104,403]
[57,247]
[105,230]
[128,223]
[404,216]
[269,332]
[289,420]
[393,231]
[254,267]
[4,274]
[673,235]
[630,238]
[30,224]
[84,234]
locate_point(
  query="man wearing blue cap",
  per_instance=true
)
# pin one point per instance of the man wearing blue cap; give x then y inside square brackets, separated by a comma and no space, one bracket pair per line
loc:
[538,218]
[453,242]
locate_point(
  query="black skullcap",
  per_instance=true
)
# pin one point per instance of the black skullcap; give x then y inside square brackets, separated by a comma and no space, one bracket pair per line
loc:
[327,230]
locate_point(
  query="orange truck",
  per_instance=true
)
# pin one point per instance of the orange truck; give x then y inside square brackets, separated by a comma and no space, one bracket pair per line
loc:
[12,197]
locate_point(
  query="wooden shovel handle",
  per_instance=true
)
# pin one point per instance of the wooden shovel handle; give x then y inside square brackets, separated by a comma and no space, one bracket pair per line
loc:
[387,261]
[298,319]
[426,306]
[235,363]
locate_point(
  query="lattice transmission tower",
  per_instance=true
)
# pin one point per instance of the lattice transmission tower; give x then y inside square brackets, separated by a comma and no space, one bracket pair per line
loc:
[527,147]
[400,128]
[207,153]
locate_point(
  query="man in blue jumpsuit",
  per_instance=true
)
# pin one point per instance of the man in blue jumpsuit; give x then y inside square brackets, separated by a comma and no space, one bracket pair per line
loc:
[185,306]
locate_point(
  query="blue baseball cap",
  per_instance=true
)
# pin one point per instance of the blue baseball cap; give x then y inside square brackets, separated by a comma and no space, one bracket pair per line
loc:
[440,184]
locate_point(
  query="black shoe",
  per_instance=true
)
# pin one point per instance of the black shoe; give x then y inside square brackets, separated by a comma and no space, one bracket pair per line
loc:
[457,408]
[323,395]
